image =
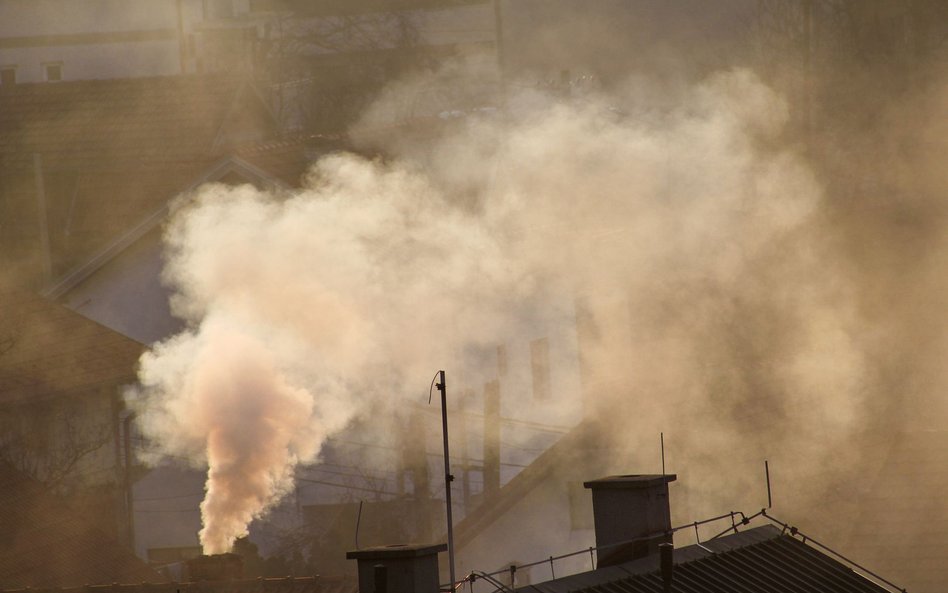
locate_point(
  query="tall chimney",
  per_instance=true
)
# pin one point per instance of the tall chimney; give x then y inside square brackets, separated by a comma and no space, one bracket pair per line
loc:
[406,568]
[633,507]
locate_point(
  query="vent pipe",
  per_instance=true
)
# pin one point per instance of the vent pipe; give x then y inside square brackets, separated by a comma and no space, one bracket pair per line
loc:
[491,437]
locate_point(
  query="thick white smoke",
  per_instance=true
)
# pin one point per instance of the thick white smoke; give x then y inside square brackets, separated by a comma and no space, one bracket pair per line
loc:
[311,307]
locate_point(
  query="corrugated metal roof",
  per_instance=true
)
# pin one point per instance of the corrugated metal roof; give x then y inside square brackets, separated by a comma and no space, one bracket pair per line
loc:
[759,560]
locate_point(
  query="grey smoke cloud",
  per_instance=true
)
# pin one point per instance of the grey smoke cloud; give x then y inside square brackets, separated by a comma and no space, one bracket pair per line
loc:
[679,221]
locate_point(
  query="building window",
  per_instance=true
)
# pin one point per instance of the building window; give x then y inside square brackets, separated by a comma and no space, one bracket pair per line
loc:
[218,9]
[7,75]
[53,71]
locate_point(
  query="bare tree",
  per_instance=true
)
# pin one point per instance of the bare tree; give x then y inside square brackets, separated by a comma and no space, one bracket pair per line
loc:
[321,69]
[50,440]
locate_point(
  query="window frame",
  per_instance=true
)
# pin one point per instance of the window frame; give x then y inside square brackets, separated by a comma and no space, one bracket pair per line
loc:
[8,68]
[46,71]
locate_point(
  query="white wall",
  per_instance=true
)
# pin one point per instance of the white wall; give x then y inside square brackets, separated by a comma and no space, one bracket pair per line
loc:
[127,295]
[85,62]
[536,527]
[96,38]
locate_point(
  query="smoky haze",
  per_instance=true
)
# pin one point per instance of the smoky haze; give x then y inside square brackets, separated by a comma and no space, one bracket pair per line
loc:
[735,294]
[309,308]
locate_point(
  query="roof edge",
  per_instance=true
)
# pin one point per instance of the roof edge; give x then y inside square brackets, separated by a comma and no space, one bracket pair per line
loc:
[82,272]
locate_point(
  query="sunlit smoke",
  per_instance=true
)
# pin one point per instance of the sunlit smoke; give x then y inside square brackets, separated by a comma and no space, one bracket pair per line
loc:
[311,307]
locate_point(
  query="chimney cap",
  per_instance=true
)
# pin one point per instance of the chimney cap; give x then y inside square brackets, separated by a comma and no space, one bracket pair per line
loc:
[630,481]
[396,551]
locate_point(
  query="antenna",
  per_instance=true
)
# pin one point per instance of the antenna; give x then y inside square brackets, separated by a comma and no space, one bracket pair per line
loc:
[767,474]
[661,435]
[448,478]
[358,522]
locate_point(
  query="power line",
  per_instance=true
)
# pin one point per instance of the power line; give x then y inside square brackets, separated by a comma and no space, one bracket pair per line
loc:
[526,423]
[427,453]
[194,510]
[169,497]
[373,490]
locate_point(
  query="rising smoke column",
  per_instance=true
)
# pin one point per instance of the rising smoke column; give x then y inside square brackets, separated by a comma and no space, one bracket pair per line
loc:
[305,311]
[309,308]
[253,426]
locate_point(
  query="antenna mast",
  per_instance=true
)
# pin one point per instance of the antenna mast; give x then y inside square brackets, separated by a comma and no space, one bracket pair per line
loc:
[448,478]
[661,436]
[770,500]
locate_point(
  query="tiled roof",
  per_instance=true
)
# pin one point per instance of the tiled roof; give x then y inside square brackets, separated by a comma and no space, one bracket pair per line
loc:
[46,350]
[99,125]
[110,152]
[313,584]
[760,560]
[288,159]
[45,544]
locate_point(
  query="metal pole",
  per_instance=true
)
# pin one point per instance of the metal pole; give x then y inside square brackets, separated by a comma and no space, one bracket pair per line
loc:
[661,436]
[808,71]
[499,47]
[448,478]
[129,493]
[42,216]
[770,501]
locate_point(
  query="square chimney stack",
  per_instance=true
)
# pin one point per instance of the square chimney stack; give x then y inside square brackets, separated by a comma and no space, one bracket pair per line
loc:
[217,567]
[632,507]
[403,568]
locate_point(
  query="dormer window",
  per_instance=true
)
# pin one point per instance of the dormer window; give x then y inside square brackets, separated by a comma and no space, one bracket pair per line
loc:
[53,71]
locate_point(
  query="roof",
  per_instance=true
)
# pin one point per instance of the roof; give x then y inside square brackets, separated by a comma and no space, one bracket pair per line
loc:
[229,169]
[312,584]
[47,350]
[45,544]
[101,125]
[109,152]
[396,551]
[763,559]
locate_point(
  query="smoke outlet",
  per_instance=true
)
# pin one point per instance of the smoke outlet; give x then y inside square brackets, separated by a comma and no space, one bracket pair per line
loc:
[218,567]
[631,515]
[405,568]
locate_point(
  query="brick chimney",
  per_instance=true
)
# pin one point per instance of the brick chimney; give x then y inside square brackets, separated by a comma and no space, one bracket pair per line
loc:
[405,568]
[633,507]
[218,567]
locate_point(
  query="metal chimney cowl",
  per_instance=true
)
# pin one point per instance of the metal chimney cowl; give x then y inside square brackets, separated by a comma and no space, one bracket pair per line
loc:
[630,507]
[406,568]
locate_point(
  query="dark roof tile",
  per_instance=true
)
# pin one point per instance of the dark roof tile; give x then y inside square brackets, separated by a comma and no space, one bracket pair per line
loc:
[54,352]
[45,544]
[113,151]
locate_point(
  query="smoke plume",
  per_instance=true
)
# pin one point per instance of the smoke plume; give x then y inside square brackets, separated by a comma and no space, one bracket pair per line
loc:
[679,221]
